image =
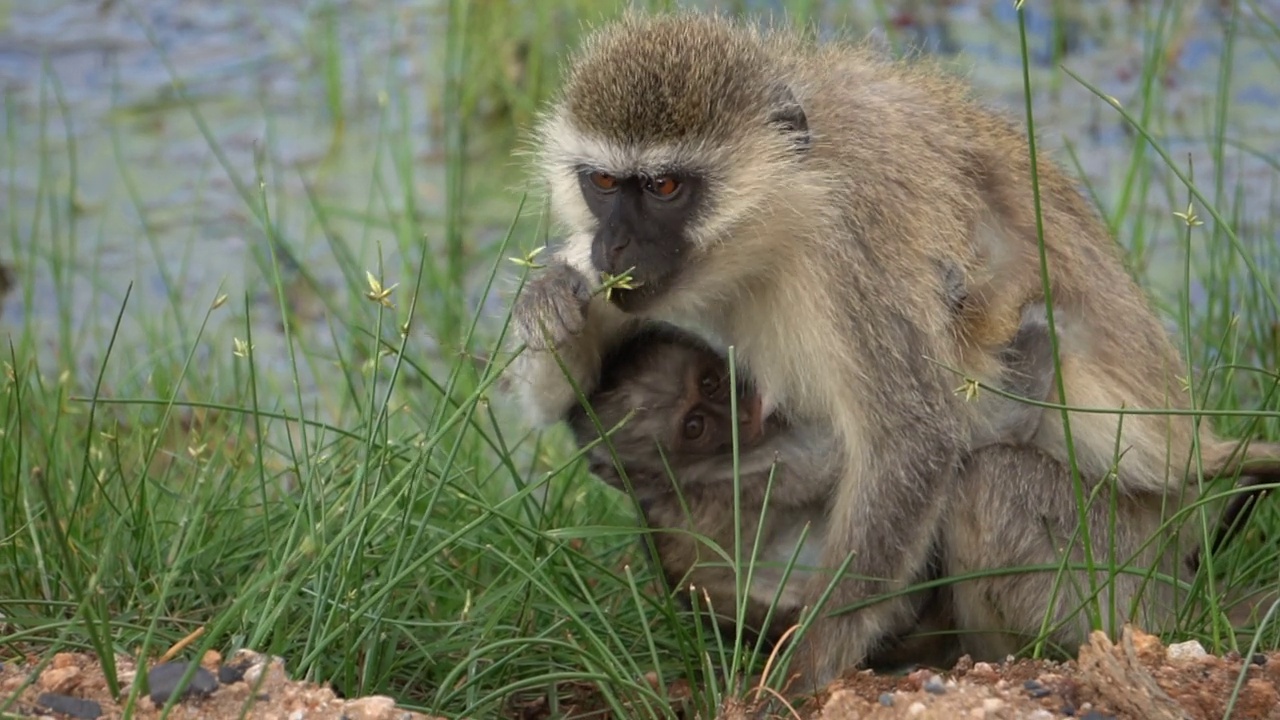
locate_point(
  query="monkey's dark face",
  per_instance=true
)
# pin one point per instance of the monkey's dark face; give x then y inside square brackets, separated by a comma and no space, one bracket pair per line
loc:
[642,226]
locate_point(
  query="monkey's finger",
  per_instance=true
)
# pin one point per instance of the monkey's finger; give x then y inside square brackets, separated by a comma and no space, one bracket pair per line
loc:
[571,313]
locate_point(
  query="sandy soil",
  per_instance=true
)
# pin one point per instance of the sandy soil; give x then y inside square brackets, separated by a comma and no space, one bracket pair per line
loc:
[1135,679]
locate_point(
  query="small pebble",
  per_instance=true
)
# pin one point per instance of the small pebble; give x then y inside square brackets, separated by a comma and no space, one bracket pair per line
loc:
[60,679]
[163,680]
[1185,651]
[886,699]
[67,705]
[993,704]
[269,670]
[374,707]
[918,677]
[1258,659]
[652,679]
[984,669]
[297,715]
[1040,715]
[1095,715]
[211,659]
[1036,690]
[917,708]
[935,686]
[228,674]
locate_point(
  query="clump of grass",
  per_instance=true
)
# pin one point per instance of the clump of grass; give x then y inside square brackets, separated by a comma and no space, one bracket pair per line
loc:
[344,486]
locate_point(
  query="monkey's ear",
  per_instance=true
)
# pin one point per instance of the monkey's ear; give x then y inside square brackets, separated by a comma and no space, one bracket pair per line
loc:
[787,116]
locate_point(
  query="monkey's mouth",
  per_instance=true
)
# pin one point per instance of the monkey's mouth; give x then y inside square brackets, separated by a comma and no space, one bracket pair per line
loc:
[633,299]
[640,291]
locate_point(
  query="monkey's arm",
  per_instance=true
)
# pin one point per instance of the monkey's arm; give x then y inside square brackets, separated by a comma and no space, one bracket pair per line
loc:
[901,433]
[885,516]
[561,321]
[797,468]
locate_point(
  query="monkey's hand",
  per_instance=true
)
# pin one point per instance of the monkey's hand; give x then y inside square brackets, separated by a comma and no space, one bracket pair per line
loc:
[565,328]
[552,308]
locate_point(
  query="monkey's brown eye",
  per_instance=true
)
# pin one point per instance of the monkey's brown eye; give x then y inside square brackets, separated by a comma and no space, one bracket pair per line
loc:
[694,426]
[603,181]
[663,187]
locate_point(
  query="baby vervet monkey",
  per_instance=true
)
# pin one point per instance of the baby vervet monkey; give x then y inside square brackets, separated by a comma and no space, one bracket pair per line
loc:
[664,403]
[793,199]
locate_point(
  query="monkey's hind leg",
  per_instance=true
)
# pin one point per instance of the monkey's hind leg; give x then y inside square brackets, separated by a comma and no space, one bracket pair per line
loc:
[1015,509]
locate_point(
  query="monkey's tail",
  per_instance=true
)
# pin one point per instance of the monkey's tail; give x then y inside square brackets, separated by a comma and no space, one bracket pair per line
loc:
[1256,464]
[1227,458]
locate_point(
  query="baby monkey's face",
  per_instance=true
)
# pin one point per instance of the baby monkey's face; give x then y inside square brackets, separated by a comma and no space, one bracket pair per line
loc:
[701,418]
[668,407]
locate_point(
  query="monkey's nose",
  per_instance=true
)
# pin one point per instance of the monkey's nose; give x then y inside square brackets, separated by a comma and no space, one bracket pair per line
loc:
[616,248]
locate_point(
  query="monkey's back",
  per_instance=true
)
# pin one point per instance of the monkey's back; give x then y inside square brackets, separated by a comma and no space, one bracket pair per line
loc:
[922,161]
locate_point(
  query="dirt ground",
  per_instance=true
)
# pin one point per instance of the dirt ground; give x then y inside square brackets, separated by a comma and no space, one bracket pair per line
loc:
[1135,679]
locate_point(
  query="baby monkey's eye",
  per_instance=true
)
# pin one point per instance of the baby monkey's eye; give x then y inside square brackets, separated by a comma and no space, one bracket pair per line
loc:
[710,385]
[694,426]
[663,187]
[602,180]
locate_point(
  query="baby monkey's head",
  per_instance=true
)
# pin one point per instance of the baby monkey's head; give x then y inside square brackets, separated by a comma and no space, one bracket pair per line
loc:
[678,392]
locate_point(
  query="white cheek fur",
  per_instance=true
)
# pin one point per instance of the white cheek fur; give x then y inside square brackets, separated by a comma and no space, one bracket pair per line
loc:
[575,251]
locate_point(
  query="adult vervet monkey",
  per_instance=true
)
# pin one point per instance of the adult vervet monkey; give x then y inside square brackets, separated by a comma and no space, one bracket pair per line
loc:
[794,199]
